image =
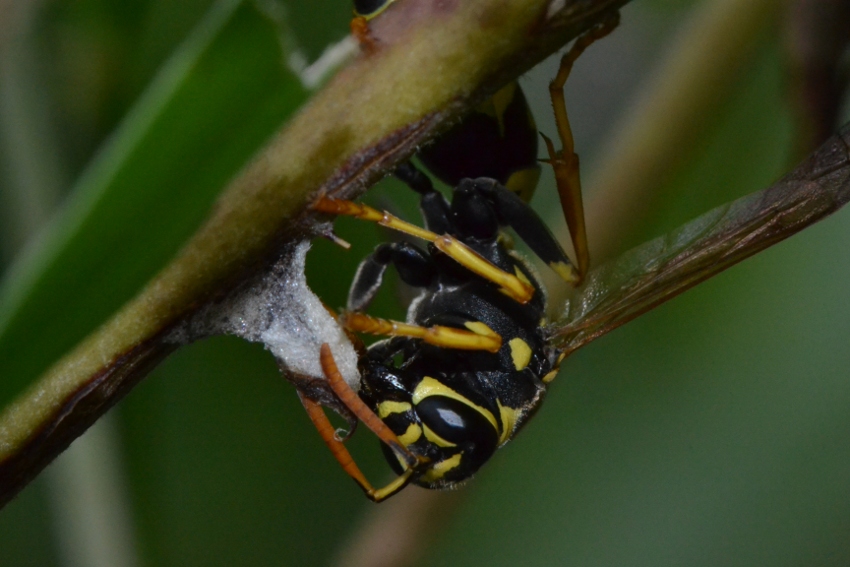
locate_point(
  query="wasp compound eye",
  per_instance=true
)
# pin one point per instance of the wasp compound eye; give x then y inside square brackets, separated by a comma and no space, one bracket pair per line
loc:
[460,424]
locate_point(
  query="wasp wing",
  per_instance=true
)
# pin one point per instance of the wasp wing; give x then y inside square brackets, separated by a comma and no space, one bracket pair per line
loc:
[658,270]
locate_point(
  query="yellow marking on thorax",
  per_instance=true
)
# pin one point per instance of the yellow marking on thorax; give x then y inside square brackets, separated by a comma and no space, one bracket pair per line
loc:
[567,272]
[496,105]
[550,376]
[522,277]
[431,387]
[509,416]
[412,435]
[436,439]
[439,470]
[480,328]
[390,407]
[524,182]
[520,353]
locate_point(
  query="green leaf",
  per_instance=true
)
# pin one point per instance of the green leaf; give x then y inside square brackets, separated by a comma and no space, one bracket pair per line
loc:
[215,101]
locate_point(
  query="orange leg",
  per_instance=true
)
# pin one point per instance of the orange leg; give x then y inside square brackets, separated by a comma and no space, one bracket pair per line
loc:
[482,338]
[565,162]
[361,32]
[326,430]
[510,285]
[328,433]
[344,458]
[353,402]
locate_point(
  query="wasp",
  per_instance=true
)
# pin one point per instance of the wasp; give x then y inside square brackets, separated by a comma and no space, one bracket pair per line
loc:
[470,365]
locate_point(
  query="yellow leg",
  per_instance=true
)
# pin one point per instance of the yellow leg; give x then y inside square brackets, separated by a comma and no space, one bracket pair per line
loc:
[481,338]
[565,162]
[509,284]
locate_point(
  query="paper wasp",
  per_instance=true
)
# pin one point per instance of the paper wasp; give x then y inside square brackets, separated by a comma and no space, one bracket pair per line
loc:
[471,365]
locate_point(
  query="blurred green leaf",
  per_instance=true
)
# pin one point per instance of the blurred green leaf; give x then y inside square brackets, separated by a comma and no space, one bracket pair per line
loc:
[210,107]
[225,467]
[217,98]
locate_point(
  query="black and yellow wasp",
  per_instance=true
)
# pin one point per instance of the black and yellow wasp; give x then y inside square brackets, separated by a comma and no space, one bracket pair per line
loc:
[471,364]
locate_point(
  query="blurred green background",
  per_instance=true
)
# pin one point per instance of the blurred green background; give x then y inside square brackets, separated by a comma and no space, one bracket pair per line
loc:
[714,430]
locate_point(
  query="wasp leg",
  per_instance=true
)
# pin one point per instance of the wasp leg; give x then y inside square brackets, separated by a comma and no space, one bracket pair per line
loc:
[326,430]
[412,264]
[361,32]
[435,209]
[511,285]
[565,162]
[478,337]
[514,212]
[413,177]
[344,458]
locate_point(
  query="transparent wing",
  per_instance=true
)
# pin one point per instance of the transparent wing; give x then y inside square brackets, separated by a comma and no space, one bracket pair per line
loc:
[658,270]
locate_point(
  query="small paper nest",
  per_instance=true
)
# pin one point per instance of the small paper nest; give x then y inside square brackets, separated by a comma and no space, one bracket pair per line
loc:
[277,309]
